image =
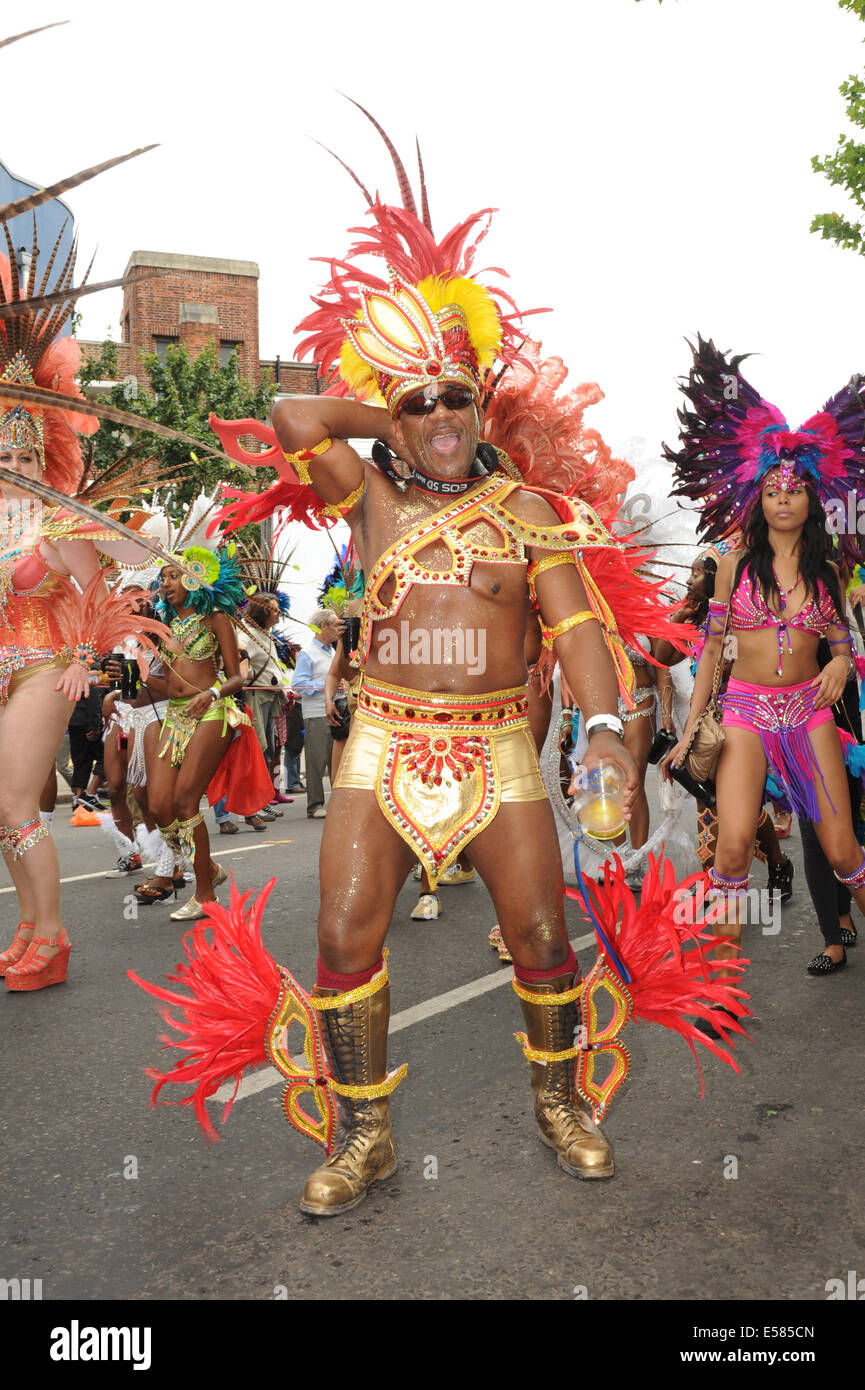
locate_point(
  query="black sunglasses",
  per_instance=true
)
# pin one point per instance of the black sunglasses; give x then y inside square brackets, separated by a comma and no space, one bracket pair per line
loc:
[452,398]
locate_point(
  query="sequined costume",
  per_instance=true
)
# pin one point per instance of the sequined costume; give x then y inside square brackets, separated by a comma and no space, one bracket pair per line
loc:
[56,611]
[440,764]
[213,584]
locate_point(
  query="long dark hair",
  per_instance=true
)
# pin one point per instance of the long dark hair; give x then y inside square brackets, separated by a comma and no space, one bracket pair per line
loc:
[813,556]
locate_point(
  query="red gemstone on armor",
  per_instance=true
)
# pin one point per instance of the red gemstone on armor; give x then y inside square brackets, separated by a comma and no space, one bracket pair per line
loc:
[385,706]
[409,714]
[433,368]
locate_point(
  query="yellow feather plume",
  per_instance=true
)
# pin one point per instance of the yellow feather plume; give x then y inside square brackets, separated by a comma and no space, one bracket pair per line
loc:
[358,375]
[484,324]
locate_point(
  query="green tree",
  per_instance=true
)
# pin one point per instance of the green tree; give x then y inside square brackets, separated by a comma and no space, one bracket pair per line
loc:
[180,392]
[846,167]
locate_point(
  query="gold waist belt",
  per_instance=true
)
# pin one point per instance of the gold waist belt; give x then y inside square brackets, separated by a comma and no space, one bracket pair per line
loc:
[404,710]
[440,765]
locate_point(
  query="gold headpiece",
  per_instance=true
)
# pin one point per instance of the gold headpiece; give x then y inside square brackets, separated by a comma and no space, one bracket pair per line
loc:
[444,329]
[21,428]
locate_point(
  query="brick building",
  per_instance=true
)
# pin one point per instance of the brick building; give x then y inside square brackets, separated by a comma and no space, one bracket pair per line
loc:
[194,300]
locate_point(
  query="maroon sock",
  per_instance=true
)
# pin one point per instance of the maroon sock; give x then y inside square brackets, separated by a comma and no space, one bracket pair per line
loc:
[329,979]
[533,977]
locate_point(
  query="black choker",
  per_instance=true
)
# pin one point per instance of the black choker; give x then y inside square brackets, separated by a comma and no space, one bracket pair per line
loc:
[448,487]
[440,487]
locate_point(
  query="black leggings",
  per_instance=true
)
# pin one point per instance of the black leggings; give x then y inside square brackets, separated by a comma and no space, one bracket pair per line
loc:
[830,898]
[85,753]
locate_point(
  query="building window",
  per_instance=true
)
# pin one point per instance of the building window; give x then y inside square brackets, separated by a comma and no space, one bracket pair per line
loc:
[160,345]
[226,348]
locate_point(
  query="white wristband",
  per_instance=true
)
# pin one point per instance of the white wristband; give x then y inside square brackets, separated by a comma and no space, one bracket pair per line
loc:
[214,690]
[609,721]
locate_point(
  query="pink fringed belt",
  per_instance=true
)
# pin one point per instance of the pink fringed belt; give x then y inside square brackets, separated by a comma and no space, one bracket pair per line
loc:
[783,717]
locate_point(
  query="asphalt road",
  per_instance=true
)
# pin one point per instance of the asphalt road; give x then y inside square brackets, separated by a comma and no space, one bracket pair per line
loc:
[749,1193]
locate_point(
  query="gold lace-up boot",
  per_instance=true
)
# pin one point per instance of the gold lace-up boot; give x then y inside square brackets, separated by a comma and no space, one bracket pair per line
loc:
[355,1031]
[563,1119]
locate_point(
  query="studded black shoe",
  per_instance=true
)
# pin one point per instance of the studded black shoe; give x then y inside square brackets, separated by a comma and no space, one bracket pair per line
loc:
[825,965]
[781,880]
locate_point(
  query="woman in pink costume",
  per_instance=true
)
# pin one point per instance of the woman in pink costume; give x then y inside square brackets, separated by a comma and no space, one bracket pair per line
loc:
[778,595]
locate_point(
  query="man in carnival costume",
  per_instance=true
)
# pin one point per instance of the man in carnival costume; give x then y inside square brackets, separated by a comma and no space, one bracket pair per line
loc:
[440,763]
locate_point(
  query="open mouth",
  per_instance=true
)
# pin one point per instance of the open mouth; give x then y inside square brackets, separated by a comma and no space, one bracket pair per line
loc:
[445,443]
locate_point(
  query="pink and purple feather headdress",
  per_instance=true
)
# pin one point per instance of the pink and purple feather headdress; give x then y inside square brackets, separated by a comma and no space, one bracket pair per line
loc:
[732,440]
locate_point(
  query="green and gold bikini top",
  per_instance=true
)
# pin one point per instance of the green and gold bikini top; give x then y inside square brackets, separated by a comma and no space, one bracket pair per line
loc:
[197,641]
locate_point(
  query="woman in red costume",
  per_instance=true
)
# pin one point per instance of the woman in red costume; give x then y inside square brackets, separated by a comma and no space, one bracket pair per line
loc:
[55,613]
[778,595]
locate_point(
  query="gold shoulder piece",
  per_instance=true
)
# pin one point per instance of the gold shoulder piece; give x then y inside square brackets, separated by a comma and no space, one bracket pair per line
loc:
[585,529]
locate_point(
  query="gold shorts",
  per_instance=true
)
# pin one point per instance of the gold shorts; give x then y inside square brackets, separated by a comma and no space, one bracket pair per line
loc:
[440,765]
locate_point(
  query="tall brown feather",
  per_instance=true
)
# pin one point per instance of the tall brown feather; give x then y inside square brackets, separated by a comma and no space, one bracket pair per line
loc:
[26,306]
[57,401]
[44,195]
[402,177]
[58,23]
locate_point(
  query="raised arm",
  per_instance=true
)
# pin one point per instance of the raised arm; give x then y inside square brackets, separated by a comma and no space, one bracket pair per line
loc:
[336,471]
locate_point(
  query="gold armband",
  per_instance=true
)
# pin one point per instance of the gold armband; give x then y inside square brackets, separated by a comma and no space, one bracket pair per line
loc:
[551,633]
[301,460]
[536,567]
[344,507]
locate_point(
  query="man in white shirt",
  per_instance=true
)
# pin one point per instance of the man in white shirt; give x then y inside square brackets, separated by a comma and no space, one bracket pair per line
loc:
[312,666]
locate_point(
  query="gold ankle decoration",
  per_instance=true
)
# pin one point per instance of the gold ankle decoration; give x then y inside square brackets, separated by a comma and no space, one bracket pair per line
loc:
[186,834]
[169,835]
[551,1009]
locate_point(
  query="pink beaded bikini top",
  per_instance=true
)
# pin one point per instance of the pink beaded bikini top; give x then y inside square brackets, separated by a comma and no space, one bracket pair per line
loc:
[750,611]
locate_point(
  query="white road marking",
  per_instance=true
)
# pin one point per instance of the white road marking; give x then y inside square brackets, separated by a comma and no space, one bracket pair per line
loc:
[418,1013]
[215,854]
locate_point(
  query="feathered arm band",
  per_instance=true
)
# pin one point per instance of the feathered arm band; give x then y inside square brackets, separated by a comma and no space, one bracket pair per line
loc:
[91,623]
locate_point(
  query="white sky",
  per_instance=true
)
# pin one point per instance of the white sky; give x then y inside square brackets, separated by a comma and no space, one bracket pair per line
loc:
[651,164]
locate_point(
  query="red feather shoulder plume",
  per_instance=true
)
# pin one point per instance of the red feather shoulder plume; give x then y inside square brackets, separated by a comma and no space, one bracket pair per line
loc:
[541,429]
